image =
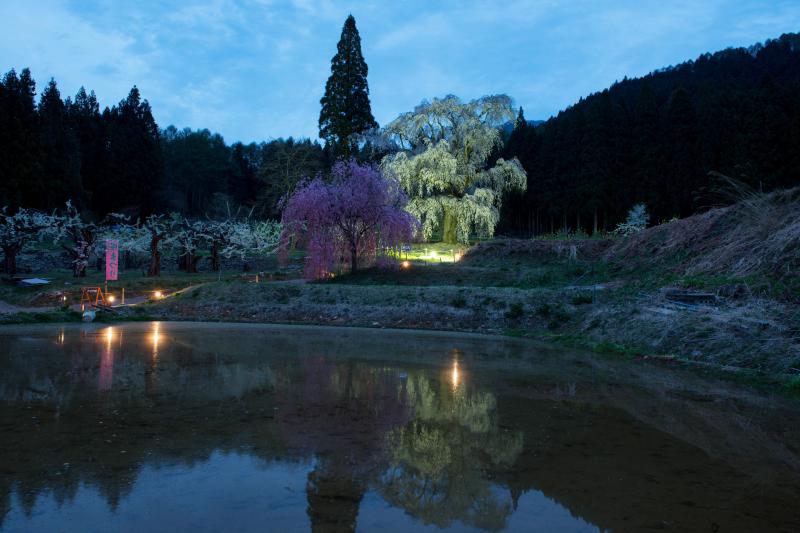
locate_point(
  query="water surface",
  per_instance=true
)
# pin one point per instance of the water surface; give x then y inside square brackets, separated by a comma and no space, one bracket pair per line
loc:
[166,426]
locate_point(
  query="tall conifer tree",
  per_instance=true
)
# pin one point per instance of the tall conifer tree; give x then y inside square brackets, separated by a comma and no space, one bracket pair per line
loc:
[20,174]
[346,110]
[60,151]
[134,162]
[84,116]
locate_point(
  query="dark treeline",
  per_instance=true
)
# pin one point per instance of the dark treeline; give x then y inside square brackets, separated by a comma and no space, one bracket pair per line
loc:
[118,160]
[204,176]
[655,139]
[58,150]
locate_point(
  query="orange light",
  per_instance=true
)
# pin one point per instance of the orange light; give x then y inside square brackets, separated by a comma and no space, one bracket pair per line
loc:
[156,338]
[157,295]
[455,376]
[405,264]
[111,298]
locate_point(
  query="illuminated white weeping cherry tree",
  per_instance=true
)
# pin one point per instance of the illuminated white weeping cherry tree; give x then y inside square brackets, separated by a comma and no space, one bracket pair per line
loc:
[442,165]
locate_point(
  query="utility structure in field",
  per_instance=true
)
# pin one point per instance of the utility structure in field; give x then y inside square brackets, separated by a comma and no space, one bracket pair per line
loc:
[346,111]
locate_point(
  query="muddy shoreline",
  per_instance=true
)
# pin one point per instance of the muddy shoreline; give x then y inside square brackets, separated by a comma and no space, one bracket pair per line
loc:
[628,329]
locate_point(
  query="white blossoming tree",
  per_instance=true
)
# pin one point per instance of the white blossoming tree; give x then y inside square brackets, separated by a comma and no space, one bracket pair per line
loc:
[145,238]
[83,236]
[156,229]
[251,237]
[444,146]
[187,237]
[637,221]
[17,230]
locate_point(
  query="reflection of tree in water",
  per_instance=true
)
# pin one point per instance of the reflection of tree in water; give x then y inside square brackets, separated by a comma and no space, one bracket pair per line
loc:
[439,461]
[434,447]
[340,414]
[94,414]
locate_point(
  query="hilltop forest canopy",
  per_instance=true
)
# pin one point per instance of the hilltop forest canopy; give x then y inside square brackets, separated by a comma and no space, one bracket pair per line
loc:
[653,139]
[119,160]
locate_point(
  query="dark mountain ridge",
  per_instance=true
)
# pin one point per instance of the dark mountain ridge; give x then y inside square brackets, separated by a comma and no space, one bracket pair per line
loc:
[655,139]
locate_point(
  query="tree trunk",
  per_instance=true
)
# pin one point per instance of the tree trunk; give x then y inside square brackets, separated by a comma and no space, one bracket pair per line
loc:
[79,269]
[81,261]
[449,228]
[188,262]
[353,259]
[10,263]
[215,262]
[155,258]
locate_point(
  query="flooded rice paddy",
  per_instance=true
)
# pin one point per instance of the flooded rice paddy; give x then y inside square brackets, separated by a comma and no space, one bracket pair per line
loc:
[212,427]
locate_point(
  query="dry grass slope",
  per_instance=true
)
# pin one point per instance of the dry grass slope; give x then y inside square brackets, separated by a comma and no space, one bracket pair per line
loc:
[759,236]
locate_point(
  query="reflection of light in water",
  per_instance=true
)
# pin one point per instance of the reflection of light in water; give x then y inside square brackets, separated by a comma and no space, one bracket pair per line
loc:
[61,337]
[107,363]
[156,338]
[455,376]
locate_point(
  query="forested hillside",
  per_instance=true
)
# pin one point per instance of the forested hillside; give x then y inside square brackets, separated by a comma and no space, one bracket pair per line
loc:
[119,160]
[655,139]
[652,139]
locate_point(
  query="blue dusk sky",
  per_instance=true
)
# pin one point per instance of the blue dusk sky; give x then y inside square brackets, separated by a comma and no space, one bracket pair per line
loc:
[254,70]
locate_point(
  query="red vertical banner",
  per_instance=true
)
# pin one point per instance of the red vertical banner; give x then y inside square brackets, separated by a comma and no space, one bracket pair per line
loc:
[112,259]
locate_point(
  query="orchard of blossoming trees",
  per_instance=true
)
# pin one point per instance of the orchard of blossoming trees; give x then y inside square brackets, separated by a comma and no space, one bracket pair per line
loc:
[82,239]
[346,222]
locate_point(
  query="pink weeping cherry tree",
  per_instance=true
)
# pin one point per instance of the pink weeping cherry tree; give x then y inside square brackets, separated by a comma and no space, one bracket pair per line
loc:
[344,223]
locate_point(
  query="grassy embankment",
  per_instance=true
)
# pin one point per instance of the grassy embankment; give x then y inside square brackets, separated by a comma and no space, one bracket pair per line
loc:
[606,295]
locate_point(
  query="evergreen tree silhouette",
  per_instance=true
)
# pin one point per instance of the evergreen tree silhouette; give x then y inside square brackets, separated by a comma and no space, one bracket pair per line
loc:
[346,109]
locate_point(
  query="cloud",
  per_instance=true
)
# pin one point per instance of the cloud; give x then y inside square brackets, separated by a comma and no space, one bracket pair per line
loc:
[54,42]
[255,69]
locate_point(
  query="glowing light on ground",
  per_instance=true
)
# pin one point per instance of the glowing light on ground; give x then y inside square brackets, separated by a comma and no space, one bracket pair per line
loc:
[405,264]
